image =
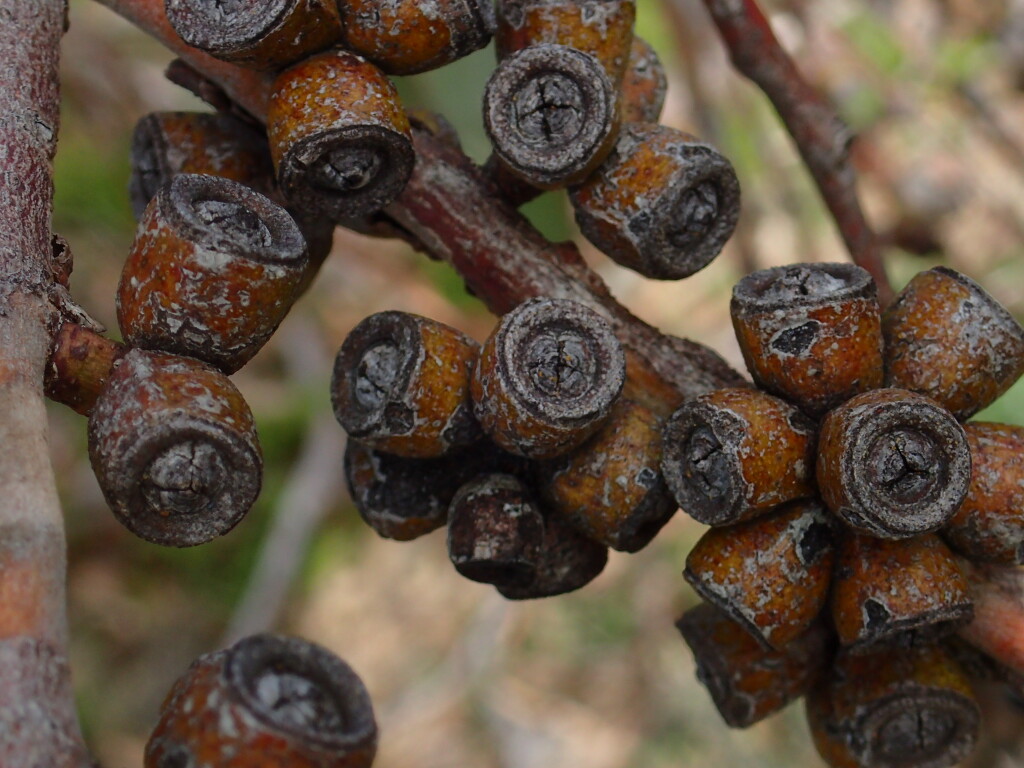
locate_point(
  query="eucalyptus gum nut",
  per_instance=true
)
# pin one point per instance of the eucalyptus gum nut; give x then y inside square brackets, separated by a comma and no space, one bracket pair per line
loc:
[547,377]
[894,709]
[897,593]
[402,498]
[174,448]
[644,85]
[495,531]
[339,138]
[212,272]
[733,454]
[601,28]
[771,574]
[401,385]
[810,333]
[748,682]
[269,701]
[568,561]
[404,37]
[893,463]
[265,35]
[551,114]
[167,144]
[663,203]
[989,525]
[946,338]
[611,486]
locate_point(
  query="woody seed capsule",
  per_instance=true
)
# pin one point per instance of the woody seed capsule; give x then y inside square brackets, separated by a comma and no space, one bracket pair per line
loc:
[404,37]
[267,35]
[168,144]
[946,338]
[733,454]
[892,463]
[551,114]
[903,592]
[268,701]
[662,204]
[810,333]
[894,709]
[644,85]
[547,377]
[989,525]
[339,137]
[611,486]
[174,448]
[568,561]
[747,681]
[771,574]
[401,385]
[495,531]
[213,271]
[404,499]
[601,28]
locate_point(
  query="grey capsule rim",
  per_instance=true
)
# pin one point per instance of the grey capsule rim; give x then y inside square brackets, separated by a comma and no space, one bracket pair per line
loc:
[177,200]
[546,165]
[747,294]
[252,654]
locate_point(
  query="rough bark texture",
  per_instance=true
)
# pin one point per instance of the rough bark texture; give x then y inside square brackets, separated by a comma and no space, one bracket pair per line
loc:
[37,720]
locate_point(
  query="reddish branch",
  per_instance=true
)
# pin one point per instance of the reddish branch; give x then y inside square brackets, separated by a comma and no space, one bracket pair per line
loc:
[37,719]
[450,210]
[820,136]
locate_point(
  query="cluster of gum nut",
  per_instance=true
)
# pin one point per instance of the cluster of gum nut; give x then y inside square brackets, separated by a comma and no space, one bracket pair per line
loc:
[234,223]
[525,446]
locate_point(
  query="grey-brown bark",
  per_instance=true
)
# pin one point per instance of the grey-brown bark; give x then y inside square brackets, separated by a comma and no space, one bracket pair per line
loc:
[37,720]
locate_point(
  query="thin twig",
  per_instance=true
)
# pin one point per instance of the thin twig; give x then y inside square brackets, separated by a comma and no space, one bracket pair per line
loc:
[820,136]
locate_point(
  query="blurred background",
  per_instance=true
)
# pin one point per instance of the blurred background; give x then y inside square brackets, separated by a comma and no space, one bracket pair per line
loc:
[934,90]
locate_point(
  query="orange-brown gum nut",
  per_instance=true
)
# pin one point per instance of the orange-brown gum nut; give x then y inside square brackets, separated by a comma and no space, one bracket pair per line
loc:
[339,137]
[269,701]
[213,271]
[733,454]
[547,377]
[495,531]
[644,85]
[947,338]
[770,575]
[810,333]
[662,204]
[602,28]
[551,114]
[894,709]
[747,681]
[893,593]
[569,560]
[611,486]
[267,35]
[404,37]
[989,525]
[893,463]
[401,385]
[167,144]
[174,448]
[403,498]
